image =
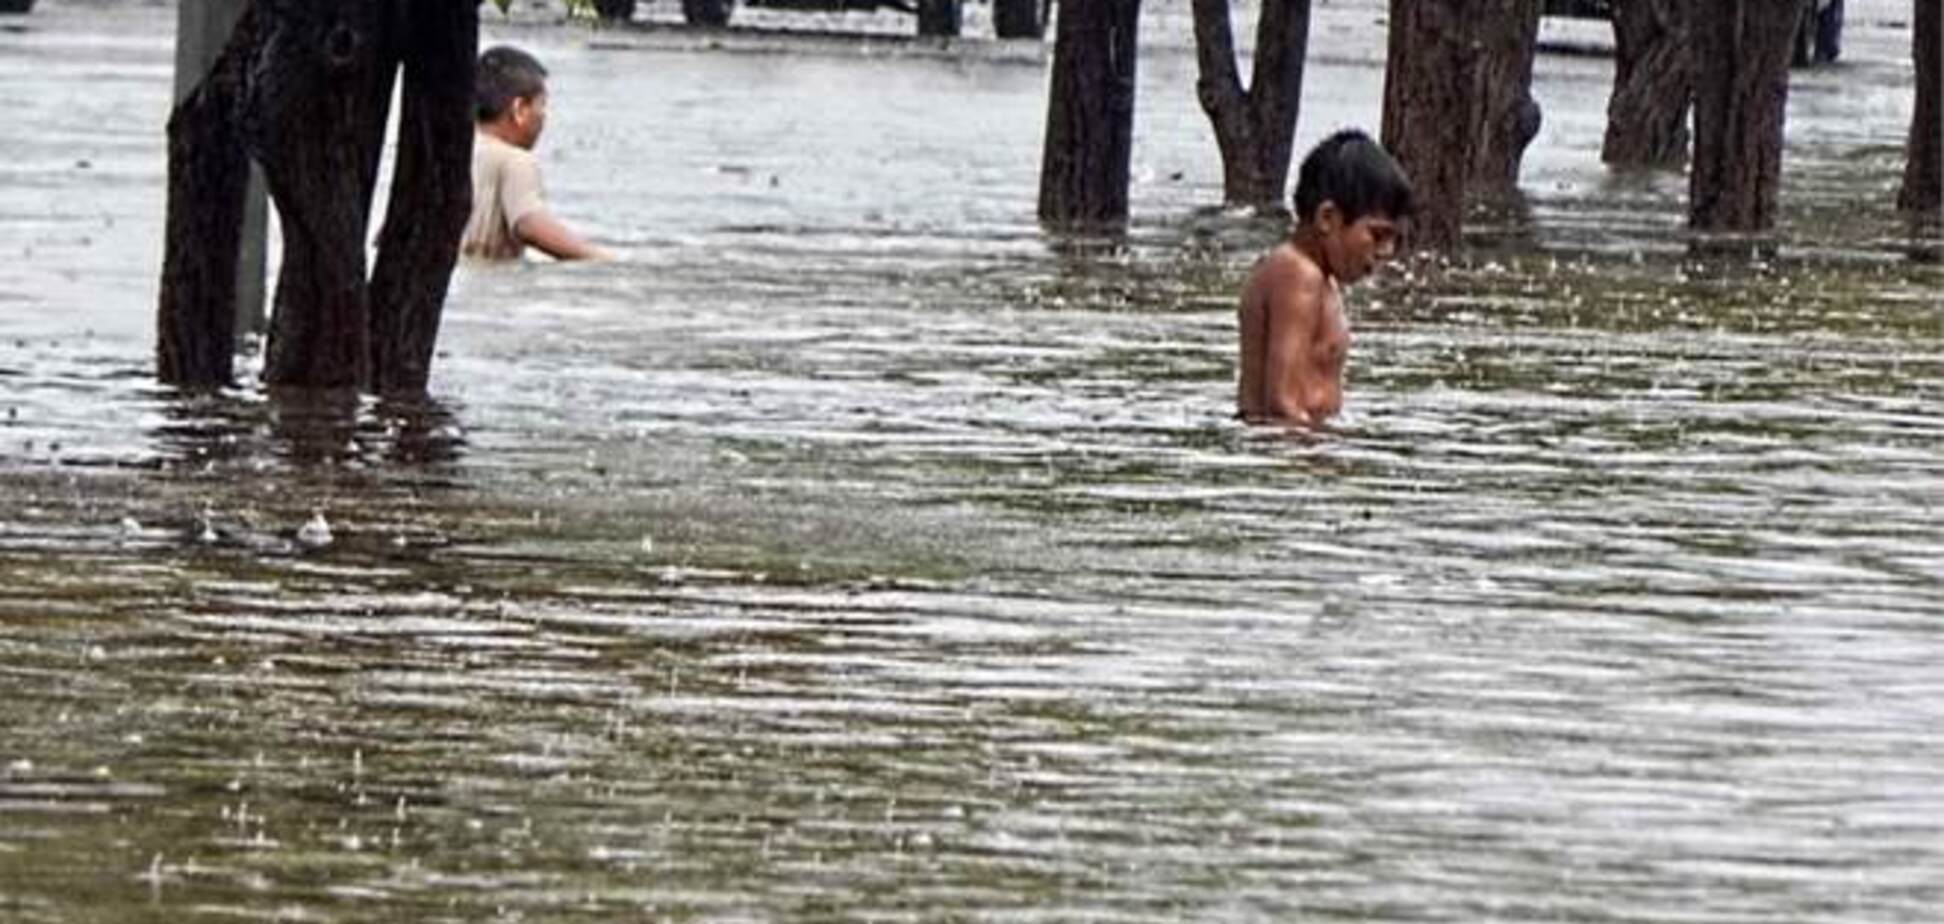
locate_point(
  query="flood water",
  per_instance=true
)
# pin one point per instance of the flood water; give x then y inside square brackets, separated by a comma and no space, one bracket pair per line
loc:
[855,550]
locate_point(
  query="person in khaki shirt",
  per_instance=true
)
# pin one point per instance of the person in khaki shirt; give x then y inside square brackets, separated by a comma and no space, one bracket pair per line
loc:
[509,211]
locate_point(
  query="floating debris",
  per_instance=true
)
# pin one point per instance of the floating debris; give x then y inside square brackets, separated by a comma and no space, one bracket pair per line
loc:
[315,534]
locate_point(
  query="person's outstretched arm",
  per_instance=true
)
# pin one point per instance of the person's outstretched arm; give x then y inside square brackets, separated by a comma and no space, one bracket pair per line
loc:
[544,232]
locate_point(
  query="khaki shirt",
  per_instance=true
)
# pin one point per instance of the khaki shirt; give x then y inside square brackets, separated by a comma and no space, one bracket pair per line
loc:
[506,188]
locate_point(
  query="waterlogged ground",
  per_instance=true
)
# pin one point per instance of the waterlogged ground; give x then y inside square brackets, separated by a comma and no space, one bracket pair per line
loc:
[855,551]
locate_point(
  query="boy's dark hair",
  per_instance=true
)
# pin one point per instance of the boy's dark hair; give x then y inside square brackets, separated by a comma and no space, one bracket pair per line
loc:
[505,74]
[1357,174]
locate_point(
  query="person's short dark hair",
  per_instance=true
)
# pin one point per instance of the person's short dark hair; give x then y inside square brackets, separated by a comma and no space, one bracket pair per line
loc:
[1356,173]
[505,74]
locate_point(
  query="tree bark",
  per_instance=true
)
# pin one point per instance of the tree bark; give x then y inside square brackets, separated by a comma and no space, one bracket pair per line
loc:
[316,122]
[1255,127]
[203,30]
[1506,34]
[1090,115]
[1653,87]
[1740,53]
[431,193]
[1428,109]
[304,89]
[1923,181]
[208,182]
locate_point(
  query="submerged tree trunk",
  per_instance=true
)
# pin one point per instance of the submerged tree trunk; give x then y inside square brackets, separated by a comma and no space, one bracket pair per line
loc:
[305,90]
[1255,127]
[1923,181]
[1739,50]
[209,171]
[1506,117]
[431,195]
[318,105]
[203,30]
[1090,115]
[1653,86]
[1428,84]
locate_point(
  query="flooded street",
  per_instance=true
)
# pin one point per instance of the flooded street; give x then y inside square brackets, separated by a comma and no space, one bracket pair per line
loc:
[855,550]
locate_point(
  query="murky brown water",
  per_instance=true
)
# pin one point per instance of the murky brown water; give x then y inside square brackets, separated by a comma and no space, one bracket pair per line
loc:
[854,551]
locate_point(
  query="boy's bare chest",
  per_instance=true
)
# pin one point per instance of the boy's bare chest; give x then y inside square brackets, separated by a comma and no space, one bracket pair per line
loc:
[1331,341]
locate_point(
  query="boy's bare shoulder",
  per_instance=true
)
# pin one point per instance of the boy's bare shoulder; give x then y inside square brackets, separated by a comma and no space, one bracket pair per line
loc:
[1286,268]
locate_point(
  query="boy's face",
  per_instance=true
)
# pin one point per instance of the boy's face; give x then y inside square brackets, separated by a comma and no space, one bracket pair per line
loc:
[1356,248]
[529,117]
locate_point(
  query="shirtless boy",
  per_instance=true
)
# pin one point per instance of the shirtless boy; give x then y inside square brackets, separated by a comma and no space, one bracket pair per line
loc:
[1351,199]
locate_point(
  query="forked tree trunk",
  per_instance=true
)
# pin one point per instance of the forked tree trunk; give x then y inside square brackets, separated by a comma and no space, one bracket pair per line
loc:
[1739,51]
[1506,33]
[1923,181]
[1653,86]
[1090,115]
[304,89]
[1428,88]
[1255,127]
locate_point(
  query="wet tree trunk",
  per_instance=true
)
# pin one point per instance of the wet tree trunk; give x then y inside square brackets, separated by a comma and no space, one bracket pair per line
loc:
[1653,87]
[1255,127]
[317,115]
[1739,52]
[208,181]
[1506,33]
[1090,115]
[1428,110]
[1923,182]
[431,194]
[202,31]
[305,90]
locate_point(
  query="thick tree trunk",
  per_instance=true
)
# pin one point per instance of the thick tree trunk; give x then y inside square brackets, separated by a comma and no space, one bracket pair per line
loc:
[1090,115]
[208,182]
[1740,57]
[941,18]
[1255,128]
[1923,182]
[431,193]
[1506,32]
[1428,85]
[306,88]
[1653,86]
[317,115]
